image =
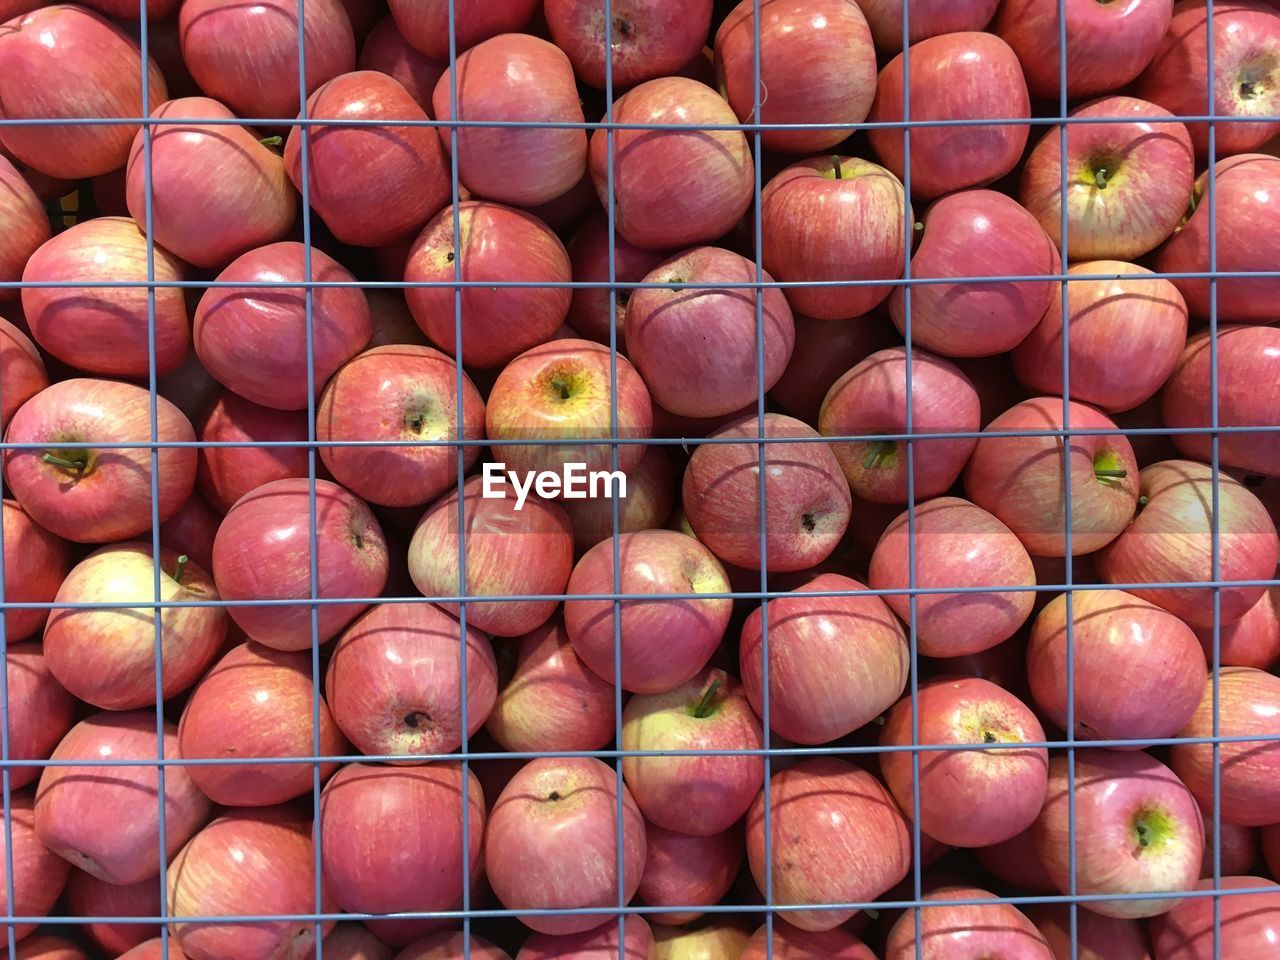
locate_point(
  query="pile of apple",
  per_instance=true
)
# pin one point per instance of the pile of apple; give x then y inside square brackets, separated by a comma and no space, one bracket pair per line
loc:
[892,565]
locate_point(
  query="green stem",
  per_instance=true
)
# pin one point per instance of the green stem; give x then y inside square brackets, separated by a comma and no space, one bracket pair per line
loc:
[1101,177]
[703,709]
[54,460]
[271,141]
[181,568]
[877,453]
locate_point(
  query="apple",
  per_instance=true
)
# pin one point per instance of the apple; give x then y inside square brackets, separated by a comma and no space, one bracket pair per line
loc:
[64,62]
[1270,836]
[1248,702]
[398,393]
[817,65]
[598,944]
[551,700]
[1251,641]
[671,189]
[41,711]
[835,663]
[26,227]
[449,945]
[648,39]
[216,191]
[253,340]
[394,682]
[551,842]
[1097,937]
[247,862]
[263,552]
[1107,45]
[1248,361]
[1238,848]
[39,874]
[247,56]
[1136,829]
[1020,479]
[565,390]
[154,949]
[996,929]
[256,702]
[22,372]
[964,234]
[225,474]
[425,23]
[718,938]
[90,494]
[685,870]
[393,324]
[377,182]
[35,564]
[44,946]
[105,330]
[498,244]
[812,201]
[106,820]
[512,548]
[391,840]
[956,76]
[969,798]
[927,18]
[1245,925]
[589,256]
[647,505]
[87,896]
[1016,863]
[1246,71]
[107,656]
[387,51]
[837,837]
[1171,540]
[823,352]
[1126,335]
[792,943]
[353,941]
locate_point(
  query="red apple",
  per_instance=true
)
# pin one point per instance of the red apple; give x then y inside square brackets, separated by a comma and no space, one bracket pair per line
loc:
[394,682]
[425,23]
[823,352]
[1245,925]
[38,874]
[226,474]
[649,38]
[191,531]
[154,950]
[995,930]
[387,51]
[393,324]
[647,505]
[87,896]
[35,564]
[1251,641]
[957,76]
[671,189]
[589,255]
[1238,853]
[353,941]
[450,945]
[26,227]
[813,201]
[1097,937]
[927,18]
[598,944]
[22,372]
[41,711]
[98,495]
[684,870]
[1016,863]
[792,943]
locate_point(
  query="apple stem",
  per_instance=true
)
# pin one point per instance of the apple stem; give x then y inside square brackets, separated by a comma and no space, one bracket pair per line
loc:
[271,141]
[703,709]
[877,454]
[181,568]
[1101,177]
[57,461]
[835,166]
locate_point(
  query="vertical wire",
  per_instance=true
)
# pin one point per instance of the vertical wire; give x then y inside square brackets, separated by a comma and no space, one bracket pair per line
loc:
[6,788]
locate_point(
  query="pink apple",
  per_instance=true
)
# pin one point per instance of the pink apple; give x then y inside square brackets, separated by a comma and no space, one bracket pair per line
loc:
[685,870]
[589,255]
[154,950]
[792,943]
[35,564]
[226,474]
[394,682]
[1246,924]
[38,873]
[1016,863]
[672,189]
[256,702]
[551,842]
[1097,937]
[41,711]
[43,946]
[425,23]
[665,643]
[810,203]
[87,896]
[22,372]
[1238,848]
[353,941]
[393,324]
[927,18]
[998,929]
[97,495]
[1251,641]
[649,38]
[26,227]
[599,944]
[449,945]
[956,76]
[387,51]
[823,352]
[650,495]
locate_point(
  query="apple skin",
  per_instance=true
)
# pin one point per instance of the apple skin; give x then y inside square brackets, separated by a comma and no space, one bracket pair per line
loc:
[35,564]
[792,943]
[153,949]
[1247,214]
[855,843]
[957,76]
[552,701]
[717,938]
[1019,479]
[106,820]
[425,23]
[449,945]
[927,18]
[969,798]
[1149,168]
[370,184]
[963,232]
[650,497]
[823,352]
[216,191]
[398,393]
[1120,642]
[104,330]
[665,643]
[1137,828]
[672,189]
[22,372]
[598,944]
[26,227]
[107,657]
[256,702]
[650,38]
[1248,924]
[810,202]
[817,62]
[499,244]
[693,795]
[684,870]
[387,51]
[1171,541]
[509,552]
[1248,395]
[1108,45]
[246,861]
[871,398]
[514,77]
[353,941]
[41,711]
[67,63]
[1240,847]
[551,842]
[391,841]
[1251,641]
[956,544]
[1135,323]
[394,683]
[247,56]
[44,946]
[225,474]
[807,501]
[1245,50]
[998,929]
[39,875]
[108,496]
[253,339]
[1016,863]
[1248,703]
[87,896]
[263,551]
[564,390]
[811,700]
[589,256]
[1097,937]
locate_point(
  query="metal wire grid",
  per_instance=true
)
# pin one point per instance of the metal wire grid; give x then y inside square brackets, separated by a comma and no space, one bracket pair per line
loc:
[465,755]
